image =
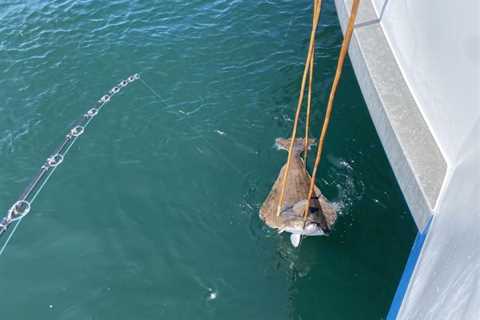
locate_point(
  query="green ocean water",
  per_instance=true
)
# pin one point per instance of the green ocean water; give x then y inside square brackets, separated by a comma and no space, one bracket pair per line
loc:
[154,212]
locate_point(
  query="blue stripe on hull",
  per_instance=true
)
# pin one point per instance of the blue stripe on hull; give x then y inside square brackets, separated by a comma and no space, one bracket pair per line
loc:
[407,273]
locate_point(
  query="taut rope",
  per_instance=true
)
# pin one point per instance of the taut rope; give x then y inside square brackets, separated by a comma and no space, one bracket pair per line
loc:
[309,99]
[308,61]
[331,97]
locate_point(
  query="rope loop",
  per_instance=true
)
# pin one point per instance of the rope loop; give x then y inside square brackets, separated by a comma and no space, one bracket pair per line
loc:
[77,131]
[105,98]
[123,83]
[92,113]
[18,210]
[55,160]
[114,90]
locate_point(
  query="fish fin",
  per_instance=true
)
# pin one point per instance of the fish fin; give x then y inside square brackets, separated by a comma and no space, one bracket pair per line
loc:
[318,193]
[295,239]
[327,210]
[282,143]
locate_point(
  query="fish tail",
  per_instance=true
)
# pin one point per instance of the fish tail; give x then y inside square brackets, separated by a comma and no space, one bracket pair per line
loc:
[298,147]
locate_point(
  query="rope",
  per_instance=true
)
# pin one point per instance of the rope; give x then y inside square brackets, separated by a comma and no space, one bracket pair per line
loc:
[155,93]
[309,99]
[317,5]
[10,236]
[331,97]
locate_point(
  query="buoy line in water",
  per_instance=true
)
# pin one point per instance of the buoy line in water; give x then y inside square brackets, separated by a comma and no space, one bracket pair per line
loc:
[23,204]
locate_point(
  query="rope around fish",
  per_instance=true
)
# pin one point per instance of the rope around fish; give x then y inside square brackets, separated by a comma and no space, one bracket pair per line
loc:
[308,69]
[316,16]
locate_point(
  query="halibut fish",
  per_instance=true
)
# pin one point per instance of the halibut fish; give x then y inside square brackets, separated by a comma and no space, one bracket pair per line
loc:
[321,214]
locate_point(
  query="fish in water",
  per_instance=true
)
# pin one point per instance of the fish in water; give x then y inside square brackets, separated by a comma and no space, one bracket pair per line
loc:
[321,214]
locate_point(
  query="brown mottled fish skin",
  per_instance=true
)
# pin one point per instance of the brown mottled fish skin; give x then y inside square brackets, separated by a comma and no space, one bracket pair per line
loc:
[298,183]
